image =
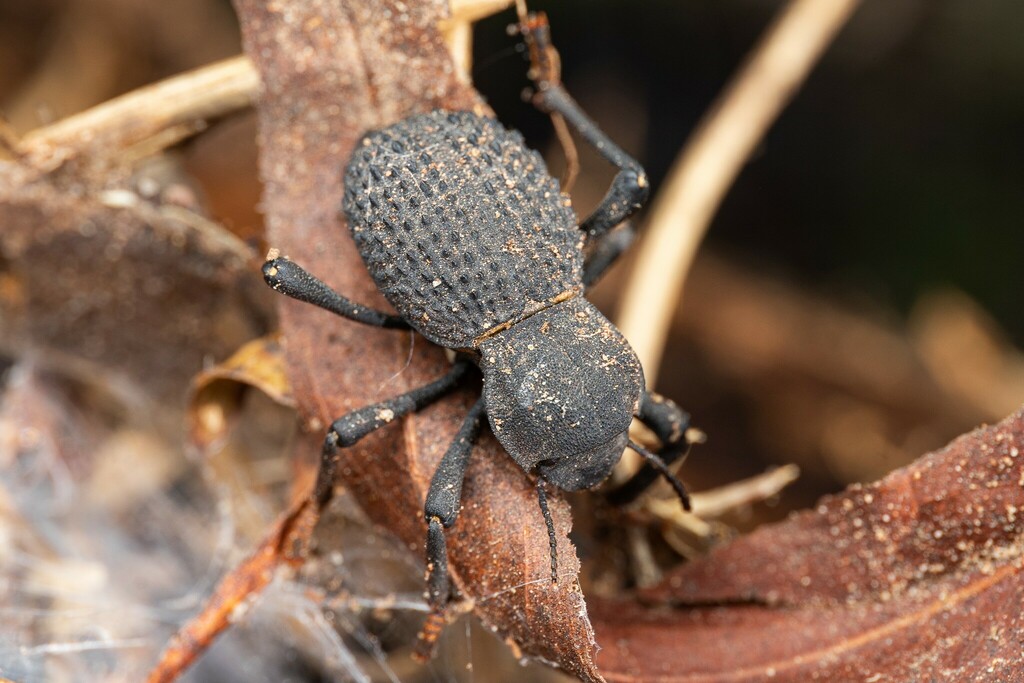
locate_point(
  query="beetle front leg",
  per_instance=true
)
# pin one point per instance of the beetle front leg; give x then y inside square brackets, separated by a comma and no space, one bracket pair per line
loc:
[669,423]
[441,509]
[292,280]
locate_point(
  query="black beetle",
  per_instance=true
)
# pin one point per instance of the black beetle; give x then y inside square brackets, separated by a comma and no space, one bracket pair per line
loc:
[468,236]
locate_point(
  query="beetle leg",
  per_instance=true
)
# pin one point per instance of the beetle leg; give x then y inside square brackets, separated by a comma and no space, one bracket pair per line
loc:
[661,467]
[292,280]
[351,427]
[629,189]
[605,250]
[441,509]
[542,500]
[669,423]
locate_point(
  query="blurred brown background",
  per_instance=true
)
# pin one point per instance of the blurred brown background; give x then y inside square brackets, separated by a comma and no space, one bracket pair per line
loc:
[858,297]
[856,302]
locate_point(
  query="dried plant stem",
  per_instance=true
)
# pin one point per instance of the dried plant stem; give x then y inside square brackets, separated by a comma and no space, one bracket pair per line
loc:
[160,115]
[728,498]
[285,546]
[711,161]
[722,500]
[474,10]
[181,103]
[458,36]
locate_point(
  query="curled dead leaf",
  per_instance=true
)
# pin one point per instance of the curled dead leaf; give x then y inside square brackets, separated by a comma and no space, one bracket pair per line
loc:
[216,408]
[217,391]
[915,577]
[101,282]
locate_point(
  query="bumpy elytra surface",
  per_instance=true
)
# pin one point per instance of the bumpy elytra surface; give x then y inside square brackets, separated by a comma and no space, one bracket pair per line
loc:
[461,225]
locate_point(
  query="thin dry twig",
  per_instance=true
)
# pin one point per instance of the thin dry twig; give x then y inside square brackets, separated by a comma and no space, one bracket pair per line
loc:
[176,103]
[719,501]
[681,527]
[162,114]
[285,546]
[711,161]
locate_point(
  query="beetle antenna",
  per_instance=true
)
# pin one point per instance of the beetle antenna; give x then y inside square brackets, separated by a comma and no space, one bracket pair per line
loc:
[659,464]
[542,498]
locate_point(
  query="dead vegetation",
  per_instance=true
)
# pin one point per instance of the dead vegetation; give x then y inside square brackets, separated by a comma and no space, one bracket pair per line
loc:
[129,281]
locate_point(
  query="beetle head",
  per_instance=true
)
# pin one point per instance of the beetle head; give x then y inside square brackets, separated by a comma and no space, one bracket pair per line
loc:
[561,388]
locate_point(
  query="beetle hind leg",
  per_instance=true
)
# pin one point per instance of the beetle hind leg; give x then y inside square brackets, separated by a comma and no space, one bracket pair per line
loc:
[441,509]
[630,188]
[605,250]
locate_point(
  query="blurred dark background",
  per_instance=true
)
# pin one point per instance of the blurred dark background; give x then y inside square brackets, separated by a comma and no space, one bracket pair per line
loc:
[879,219]
[895,170]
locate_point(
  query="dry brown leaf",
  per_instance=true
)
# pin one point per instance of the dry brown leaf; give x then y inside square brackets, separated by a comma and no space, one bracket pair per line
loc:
[330,73]
[216,392]
[103,282]
[215,414]
[915,577]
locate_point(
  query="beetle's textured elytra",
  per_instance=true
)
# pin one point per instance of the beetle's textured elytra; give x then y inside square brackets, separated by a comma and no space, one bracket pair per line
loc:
[461,225]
